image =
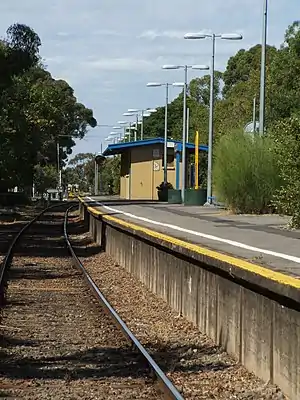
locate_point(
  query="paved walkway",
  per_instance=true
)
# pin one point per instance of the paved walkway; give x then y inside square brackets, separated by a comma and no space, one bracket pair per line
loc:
[261,239]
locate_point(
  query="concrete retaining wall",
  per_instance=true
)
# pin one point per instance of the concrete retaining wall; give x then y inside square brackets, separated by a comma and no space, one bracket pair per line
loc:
[260,328]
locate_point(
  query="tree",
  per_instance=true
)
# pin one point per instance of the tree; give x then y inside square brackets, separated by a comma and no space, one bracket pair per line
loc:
[45,178]
[199,88]
[241,67]
[286,136]
[36,113]
[80,171]
[284,79]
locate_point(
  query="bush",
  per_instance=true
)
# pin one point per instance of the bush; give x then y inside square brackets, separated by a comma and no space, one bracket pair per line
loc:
[14,199]
[246,172]
[286,136]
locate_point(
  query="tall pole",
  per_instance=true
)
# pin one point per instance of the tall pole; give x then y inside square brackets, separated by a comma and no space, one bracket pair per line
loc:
[129,136]
[166,136]
[58,165]
[136,127]
[96,179]
[254,115]
[183,161]
[197,160]
[263,70]
[142,126]
[211,123]
[187,124]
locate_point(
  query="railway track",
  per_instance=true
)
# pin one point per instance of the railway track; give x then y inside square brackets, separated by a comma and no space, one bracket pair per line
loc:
[56,342]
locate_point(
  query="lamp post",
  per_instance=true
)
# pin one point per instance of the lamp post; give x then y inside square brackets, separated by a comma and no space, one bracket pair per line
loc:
[98,161]
[59,170]
[108,126]
[58,166]
[183,162]
[124,124]
[263,69]
[127,125]
[131,114]
[136,111]
[166,85]
[213,36]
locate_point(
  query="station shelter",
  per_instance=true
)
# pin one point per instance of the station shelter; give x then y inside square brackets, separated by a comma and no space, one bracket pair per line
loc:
[142,166]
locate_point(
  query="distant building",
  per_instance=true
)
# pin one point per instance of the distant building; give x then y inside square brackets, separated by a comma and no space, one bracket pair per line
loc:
[142,166]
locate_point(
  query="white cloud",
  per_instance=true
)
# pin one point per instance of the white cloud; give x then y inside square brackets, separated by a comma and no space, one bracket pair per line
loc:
[120,64]
[152,34]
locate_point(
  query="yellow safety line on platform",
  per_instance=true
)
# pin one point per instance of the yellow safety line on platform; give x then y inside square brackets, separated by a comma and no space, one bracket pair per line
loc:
[236,262]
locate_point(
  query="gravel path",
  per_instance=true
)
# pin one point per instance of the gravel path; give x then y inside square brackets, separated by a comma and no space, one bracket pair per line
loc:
[57,343]
[194,363]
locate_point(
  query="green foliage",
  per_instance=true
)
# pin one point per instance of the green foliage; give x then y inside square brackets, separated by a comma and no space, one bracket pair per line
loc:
[36,111]
[199,88]
[242,66]
[286,136]
[246,173]
[80,171]
[284,78]
[110,175]
[45,178]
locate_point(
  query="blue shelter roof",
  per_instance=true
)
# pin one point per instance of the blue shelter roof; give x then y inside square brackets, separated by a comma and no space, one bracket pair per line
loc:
[118,148]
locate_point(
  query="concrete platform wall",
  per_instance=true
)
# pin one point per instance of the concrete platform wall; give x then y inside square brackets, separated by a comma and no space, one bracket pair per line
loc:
[262,333]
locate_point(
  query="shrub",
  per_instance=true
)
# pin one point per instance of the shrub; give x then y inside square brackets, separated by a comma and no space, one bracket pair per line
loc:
[14,199]
[286,136]
[246,172]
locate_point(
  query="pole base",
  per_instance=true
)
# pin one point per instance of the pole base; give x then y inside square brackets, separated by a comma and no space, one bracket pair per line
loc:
[208,204]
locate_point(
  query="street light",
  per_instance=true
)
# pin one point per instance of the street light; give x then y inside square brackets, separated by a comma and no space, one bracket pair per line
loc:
[130,114]
[213,36]
[183,162]
[98,161]
[157,84]
[145,112]
[128,124]
[135,111]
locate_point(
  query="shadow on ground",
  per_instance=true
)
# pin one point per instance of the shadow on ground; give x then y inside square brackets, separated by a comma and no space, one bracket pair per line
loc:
[100,362]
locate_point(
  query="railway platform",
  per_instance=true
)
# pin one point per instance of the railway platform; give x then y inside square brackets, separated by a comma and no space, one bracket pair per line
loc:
[262,240]
[235,277]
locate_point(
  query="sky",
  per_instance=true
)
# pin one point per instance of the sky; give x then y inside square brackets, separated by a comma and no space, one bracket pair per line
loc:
[108,50]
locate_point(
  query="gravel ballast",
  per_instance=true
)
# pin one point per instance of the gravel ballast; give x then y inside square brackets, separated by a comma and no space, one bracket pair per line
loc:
[57,342]
[199,368]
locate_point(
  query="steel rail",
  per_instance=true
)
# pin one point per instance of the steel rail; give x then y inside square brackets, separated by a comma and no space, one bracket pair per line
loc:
[165,384]
[9,254]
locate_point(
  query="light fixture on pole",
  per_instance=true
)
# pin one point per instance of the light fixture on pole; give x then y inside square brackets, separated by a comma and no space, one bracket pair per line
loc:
[124,124]
[131,114]
[183,162]
[145,112]
[213,36]
[114,135]
[128,125]
[166,85]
